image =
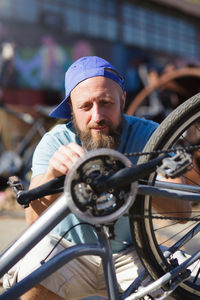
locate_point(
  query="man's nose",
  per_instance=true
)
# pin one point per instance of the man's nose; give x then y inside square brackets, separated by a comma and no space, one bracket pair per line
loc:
[97,113]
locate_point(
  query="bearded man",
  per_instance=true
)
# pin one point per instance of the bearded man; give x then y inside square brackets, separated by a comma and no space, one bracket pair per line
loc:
[95,99]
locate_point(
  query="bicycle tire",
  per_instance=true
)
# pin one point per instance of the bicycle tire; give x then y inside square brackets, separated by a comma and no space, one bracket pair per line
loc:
[144,231]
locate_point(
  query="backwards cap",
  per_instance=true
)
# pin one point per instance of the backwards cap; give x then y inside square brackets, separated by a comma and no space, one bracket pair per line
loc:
[82,69]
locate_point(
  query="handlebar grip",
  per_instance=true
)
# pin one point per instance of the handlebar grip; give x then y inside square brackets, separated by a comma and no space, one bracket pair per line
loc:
[53,186]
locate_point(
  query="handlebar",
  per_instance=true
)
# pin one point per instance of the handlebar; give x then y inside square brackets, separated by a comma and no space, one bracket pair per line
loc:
[120,179]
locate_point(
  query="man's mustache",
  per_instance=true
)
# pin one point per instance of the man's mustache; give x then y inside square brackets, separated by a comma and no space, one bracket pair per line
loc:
[100,124]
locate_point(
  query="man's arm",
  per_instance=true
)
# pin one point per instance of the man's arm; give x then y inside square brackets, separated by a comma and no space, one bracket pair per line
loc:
[59,164]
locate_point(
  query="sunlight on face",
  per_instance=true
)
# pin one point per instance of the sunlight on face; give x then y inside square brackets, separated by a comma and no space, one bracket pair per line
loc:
[97,105]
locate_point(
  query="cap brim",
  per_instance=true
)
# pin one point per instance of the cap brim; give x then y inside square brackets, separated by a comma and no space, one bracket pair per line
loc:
[62,111]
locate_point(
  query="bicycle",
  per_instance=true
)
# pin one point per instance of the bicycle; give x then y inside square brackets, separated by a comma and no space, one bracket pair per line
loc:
[103,186]
[155,101]
[18,160]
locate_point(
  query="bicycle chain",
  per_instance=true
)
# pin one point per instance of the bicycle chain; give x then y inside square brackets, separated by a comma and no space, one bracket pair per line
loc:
[194,219]
[157,152]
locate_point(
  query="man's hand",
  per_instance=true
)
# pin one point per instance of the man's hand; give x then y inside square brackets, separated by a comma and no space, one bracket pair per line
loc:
[59,164]
[63,159]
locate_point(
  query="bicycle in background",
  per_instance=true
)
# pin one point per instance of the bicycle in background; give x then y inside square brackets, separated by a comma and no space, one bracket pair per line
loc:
[18,159]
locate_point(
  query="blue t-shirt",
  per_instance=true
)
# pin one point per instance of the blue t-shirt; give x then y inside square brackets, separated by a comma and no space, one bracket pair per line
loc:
[136,132]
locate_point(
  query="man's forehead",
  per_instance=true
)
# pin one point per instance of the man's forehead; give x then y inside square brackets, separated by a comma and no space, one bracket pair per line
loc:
[97,82]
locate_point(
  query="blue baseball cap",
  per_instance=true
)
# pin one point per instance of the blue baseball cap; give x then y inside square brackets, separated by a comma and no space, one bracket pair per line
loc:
[82,69]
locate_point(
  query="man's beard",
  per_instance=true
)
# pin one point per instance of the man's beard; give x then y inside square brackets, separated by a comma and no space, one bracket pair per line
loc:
[111,139]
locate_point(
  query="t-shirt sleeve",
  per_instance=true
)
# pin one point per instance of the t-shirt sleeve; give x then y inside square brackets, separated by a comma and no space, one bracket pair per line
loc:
[43,152]
[61,134]
[50,142]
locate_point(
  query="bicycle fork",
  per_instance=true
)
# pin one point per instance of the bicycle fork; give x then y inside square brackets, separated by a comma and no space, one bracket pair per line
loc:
[108,264]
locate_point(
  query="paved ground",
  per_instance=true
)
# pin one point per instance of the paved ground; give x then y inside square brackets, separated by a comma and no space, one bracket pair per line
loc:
[12,224]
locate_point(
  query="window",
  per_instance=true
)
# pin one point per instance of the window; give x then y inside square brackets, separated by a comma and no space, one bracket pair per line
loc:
[27,10]
[6,8]
[151,29]
[137,25]
[95,18]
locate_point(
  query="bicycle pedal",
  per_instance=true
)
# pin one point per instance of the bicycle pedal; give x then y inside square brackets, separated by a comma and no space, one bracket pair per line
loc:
[176,165]
[174,262]
[15,183]
[147,297]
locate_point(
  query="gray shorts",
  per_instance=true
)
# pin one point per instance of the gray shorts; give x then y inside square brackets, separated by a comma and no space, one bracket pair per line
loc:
[81,277]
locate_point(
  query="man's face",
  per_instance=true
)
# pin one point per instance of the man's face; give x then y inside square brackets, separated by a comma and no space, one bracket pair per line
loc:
[97,105]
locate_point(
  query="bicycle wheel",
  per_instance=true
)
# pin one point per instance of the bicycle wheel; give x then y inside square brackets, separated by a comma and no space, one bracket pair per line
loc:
[152,235]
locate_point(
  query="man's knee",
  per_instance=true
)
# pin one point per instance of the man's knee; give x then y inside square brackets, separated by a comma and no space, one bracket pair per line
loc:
[40,292]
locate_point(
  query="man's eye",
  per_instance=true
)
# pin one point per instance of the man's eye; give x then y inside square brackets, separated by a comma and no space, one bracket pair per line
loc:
[86,106]
[106,103]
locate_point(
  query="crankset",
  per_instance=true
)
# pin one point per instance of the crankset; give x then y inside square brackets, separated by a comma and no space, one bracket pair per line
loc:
[89,204]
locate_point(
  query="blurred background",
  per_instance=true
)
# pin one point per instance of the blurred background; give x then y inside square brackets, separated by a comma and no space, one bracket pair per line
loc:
[40,39]
[155,44]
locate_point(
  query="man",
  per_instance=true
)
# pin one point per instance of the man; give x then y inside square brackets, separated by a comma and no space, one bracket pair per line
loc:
[95,97]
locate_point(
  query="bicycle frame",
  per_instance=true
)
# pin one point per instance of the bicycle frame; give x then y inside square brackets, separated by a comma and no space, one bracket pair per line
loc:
[54,214]
[25,148]
[37,127]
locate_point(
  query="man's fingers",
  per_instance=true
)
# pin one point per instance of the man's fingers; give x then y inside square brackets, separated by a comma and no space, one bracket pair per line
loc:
[77,149]
[71,153]
[58,166]
[64,158]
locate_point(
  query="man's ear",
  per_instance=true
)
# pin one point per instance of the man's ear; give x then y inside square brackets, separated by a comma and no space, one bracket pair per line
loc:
[70,103]
[123,99]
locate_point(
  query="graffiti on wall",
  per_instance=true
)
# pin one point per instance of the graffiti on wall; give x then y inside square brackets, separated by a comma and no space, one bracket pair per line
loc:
[40,68]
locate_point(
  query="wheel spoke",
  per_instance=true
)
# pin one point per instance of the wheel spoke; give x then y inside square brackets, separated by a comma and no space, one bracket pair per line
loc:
[153,236]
